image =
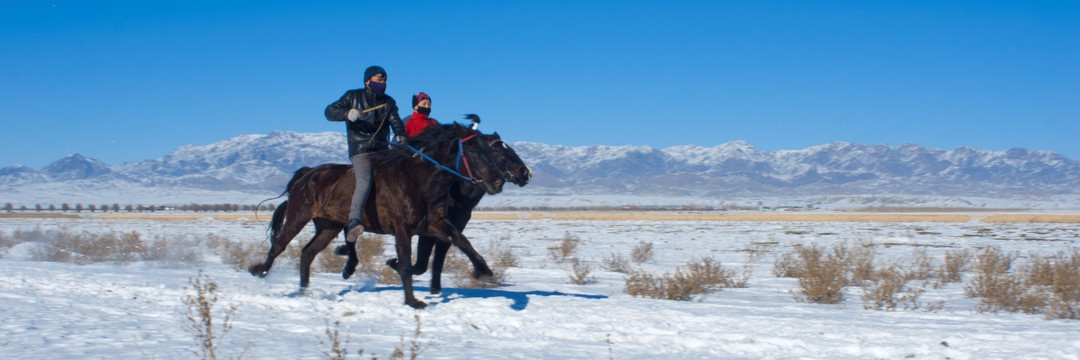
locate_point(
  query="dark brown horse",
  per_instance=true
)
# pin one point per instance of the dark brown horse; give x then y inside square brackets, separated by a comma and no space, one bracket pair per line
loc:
[465,197]
[410,196]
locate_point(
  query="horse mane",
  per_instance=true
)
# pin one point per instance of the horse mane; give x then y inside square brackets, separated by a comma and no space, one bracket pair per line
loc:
[434,137]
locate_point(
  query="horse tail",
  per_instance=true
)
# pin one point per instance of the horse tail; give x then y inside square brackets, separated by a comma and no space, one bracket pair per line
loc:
[278,218]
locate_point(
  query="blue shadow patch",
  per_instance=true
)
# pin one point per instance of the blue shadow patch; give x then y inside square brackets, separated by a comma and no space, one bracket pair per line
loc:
[520,298]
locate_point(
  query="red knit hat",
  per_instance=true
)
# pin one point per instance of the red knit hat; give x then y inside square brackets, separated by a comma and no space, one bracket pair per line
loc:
[418,97]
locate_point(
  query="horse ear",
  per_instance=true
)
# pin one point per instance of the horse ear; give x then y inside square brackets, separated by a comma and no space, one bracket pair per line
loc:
[496,135]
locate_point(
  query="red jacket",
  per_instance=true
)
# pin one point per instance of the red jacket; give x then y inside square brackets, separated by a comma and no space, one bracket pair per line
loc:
[417,123]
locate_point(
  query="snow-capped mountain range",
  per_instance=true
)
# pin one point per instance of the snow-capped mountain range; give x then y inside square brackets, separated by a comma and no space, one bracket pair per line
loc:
[263,164]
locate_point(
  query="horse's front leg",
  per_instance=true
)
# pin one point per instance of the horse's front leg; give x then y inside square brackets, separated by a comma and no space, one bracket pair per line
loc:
[403,243]
[446,231]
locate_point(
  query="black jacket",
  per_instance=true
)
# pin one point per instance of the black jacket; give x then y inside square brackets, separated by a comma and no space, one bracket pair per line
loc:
[378,115]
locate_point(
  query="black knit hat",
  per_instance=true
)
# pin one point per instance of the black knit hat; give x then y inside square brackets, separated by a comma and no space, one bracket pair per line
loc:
[372,71]
[418,97]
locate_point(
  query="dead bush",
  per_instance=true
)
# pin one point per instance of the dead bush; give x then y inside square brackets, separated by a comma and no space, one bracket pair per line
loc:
[1061,274]
[200,302]
[702,277]
[616,263]
[643,252]
[786,265]
[889,289]
[922,267]
[581,272]
[952,270]
[1000,290]
[566,248]
[822,274]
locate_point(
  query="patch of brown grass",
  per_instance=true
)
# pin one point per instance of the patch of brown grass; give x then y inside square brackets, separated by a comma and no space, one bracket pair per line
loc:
[701,277]
[566,249]
[642,252]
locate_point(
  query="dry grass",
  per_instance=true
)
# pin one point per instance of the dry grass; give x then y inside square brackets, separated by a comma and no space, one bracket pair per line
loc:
[336,348]
[581,272]
[952,270]
[889,289]
[822,275]
[998,289]
[566,248]
[200,302]
[698,278]
[617,263]
[642,252]
[461,268]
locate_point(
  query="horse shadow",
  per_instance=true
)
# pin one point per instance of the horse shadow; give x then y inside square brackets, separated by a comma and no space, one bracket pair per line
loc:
[520,298]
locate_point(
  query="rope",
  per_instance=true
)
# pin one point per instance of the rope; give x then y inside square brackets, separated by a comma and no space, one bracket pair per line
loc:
[444,167]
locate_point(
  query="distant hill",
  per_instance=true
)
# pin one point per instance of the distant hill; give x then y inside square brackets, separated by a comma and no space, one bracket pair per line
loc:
[263,164]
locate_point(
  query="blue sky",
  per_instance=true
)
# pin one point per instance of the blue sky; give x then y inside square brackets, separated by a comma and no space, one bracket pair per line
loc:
[132,80]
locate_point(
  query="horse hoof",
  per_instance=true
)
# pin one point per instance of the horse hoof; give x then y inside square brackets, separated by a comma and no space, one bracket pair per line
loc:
[484,277]
[258,270]
[435,290]
[417,304]
[349,269]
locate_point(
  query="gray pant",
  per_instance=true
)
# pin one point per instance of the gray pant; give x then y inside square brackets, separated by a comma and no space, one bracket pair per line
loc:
[362,169]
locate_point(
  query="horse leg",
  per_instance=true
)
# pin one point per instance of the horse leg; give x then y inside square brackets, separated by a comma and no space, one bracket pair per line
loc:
[403,243]
[446,231]
[325,232]
[423,253]
[437,266]
[351,259]
[293,225]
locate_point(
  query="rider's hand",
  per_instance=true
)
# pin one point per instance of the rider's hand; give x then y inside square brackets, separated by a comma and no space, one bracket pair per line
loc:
[353,115]
[400,139]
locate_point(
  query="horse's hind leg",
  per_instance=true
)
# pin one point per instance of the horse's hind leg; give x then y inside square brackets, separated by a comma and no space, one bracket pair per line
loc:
[293,226]
[325,232]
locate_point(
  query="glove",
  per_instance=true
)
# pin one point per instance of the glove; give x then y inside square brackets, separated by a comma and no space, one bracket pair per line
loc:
[400,139]
[353,115]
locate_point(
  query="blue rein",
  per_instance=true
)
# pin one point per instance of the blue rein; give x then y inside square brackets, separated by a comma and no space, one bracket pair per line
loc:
[460,155]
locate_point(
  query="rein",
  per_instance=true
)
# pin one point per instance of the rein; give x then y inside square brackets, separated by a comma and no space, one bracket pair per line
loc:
[460,156]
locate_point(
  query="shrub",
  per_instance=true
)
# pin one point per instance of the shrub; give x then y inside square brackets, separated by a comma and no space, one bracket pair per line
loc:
[822,275]
[616,263]
[703,277]
[566,248]
[952,270]
[642,252]
[889,289]
[199,312]
[999,290]
[581,273]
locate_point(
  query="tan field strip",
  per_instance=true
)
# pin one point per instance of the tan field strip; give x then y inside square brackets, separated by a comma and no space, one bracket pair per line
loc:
[638,216]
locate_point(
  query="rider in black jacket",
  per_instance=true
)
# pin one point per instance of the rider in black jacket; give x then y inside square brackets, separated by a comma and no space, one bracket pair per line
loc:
[369,115]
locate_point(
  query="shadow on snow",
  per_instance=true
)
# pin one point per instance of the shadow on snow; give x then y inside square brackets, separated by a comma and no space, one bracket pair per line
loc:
[520,298]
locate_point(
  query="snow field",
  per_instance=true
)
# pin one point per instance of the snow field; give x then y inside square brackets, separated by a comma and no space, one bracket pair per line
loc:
[61,310]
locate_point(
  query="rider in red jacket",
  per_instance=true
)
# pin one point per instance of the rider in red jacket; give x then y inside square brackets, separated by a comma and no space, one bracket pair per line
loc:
[419,120]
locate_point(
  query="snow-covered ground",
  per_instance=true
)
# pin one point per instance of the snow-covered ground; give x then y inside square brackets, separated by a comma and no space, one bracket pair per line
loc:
[62,310]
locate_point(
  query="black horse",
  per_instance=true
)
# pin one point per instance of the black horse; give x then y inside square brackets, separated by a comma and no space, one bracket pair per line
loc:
[465,196]
[409,196]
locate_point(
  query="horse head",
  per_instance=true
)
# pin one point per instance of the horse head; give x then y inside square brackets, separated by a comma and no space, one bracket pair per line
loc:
[513,169]
[478,159]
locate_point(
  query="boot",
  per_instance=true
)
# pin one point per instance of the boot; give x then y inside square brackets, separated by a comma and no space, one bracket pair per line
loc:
[353,231]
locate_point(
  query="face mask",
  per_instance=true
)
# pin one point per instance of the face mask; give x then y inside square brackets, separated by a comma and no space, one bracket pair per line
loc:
[423,110]
[378,88]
